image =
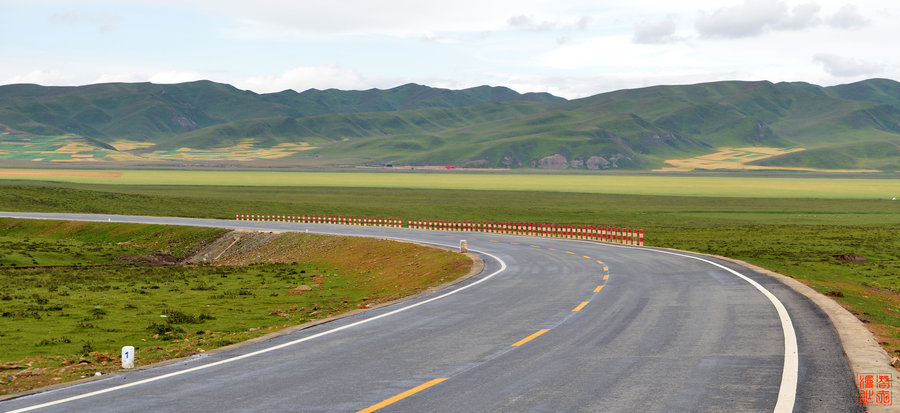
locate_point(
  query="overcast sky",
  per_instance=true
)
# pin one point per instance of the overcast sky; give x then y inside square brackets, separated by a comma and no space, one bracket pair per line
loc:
[568,48]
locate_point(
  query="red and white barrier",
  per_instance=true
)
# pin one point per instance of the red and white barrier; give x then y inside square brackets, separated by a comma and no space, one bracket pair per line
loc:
[603,234]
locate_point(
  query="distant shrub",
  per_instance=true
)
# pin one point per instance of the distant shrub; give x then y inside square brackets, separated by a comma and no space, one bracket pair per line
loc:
[164,331]
[52,341]
[96,313]
[178,317]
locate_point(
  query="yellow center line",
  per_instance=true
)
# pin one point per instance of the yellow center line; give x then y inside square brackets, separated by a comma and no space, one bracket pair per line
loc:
[597,290]
[585,256]
[529,338]
[599,262]
[570,252]
[552,249]
[580,306]
[493,240]
[534,246]
[515,243]
[605,268]
[606,277]
[401,396]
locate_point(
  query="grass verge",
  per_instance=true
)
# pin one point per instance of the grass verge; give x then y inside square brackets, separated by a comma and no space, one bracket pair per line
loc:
[90,288]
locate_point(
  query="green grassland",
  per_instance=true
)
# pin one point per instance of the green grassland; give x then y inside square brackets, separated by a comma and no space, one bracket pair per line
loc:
[798,237]
[73,293]
[881,155]
[748,186]
[49,243]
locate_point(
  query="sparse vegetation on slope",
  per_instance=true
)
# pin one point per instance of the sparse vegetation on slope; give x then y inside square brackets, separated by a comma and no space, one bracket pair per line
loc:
[73,293]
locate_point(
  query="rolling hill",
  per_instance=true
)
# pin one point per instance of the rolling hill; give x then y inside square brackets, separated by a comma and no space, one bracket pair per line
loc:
[151,112]
[854,126]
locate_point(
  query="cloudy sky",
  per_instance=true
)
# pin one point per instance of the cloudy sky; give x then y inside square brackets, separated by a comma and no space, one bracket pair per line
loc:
[569,48]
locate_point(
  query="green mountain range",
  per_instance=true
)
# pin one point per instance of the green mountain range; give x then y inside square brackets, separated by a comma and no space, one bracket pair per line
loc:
[847,127]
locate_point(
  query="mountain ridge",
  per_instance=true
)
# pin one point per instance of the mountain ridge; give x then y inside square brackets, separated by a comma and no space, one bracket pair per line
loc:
[484,126]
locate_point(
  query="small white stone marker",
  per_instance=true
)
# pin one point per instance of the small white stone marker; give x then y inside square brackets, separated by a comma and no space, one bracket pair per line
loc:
[128,357]
[463,247]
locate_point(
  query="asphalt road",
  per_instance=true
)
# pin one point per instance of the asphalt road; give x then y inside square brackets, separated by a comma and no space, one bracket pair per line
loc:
[550,325]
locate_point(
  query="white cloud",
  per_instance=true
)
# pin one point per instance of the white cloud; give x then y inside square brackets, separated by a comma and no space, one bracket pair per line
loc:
[270,18]
[174,76]
[120,77]
[163,77]
[802,16]
[523,22]
[574,87]
[47,77]
[848,18]
[436,38]
[847,67]
[313,77]
[658,32]
[571,48]
[103,22]
[754,17]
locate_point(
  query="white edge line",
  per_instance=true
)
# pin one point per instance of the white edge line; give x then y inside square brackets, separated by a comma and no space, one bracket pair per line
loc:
[268,349]
[787,393]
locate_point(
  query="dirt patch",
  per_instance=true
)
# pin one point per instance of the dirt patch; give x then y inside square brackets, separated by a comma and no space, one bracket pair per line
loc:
[236,243]
[850,258]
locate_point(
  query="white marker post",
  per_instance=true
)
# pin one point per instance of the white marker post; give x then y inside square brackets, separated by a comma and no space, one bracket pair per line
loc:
[463,247]
[128,357]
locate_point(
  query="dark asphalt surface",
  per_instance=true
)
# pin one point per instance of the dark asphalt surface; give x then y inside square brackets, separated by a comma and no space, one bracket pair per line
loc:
[665,333]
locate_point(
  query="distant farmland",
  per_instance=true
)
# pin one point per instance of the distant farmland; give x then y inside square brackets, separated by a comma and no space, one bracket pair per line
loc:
[715,186]
[73,148]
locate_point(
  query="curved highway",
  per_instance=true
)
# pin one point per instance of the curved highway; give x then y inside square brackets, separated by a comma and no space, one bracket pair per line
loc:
[549,325]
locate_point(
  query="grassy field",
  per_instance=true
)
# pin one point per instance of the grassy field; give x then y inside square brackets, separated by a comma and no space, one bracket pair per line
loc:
[681,185]
[796,233]
[73,293]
